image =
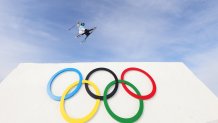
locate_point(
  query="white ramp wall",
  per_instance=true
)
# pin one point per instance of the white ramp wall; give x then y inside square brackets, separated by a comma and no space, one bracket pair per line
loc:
[180,98]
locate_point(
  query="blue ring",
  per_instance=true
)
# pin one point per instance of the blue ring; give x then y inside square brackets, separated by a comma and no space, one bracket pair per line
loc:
[58,98]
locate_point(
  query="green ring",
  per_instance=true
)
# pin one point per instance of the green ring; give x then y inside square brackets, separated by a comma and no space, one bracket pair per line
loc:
[112,114]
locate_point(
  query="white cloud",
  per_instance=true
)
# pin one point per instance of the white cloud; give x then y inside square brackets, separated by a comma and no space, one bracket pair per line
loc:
[19,37]
[12,53]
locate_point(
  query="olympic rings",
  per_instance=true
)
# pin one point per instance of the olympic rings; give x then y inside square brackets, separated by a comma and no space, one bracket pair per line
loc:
[57,98]
[87,117]
[67,93]
[101,97]
[133,94]
[120,119]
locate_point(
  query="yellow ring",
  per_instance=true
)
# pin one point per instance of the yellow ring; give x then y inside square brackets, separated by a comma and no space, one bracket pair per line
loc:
[87,117]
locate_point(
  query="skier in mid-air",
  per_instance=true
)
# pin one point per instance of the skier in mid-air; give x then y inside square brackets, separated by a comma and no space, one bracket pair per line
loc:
[83,30]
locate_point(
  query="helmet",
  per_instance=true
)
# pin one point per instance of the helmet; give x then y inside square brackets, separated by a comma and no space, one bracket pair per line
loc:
[82,24]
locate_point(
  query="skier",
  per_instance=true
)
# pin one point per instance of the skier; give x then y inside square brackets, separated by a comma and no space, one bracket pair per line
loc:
[83,30]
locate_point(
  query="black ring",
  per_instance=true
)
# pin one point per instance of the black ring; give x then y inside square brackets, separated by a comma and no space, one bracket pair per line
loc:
[110,94]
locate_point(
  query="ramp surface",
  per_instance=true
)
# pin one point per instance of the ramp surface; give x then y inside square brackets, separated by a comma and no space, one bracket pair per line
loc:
[180,98]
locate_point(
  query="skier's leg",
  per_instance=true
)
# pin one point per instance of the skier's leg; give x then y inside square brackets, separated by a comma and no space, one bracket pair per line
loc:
[84,39]
[87,32]
[87,35]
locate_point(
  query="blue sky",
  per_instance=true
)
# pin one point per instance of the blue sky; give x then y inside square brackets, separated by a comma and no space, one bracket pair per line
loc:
[127,30]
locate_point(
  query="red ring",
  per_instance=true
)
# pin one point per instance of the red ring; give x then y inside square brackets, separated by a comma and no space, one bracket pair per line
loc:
[143,97]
